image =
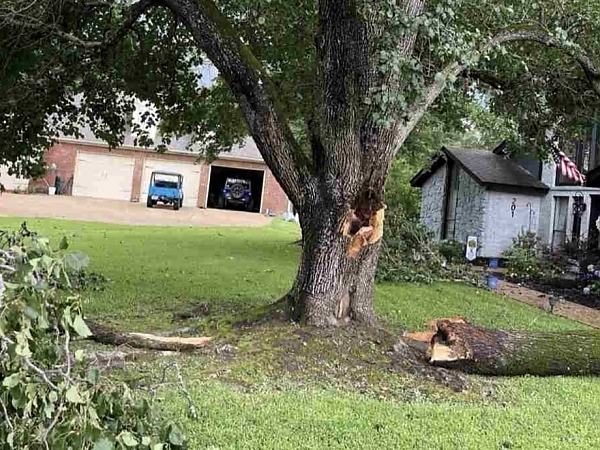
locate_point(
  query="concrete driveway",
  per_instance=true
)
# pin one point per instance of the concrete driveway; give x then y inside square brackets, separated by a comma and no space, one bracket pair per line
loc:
[114,211]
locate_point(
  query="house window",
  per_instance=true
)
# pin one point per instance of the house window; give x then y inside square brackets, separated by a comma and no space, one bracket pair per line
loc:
[451,202]
[561,215]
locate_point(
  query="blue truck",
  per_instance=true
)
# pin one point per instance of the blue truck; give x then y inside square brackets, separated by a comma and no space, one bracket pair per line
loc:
[167,188]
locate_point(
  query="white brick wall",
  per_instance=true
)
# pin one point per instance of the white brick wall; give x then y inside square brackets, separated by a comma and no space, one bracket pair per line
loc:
[501,227]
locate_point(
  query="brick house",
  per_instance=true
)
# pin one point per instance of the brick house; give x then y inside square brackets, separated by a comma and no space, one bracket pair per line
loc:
[482,194]
[87,168]
[494,197]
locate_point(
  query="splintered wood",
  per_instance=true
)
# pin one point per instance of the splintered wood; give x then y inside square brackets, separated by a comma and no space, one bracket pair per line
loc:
[438,350]
[362,233]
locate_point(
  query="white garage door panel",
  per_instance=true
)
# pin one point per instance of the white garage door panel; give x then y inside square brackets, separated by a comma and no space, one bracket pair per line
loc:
[103,176]
[191,178]
[11,182]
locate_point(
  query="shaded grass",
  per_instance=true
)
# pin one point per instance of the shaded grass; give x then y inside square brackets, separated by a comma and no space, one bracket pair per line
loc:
[280,387]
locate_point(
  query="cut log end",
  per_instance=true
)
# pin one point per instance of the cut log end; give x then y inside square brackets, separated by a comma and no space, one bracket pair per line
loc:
[454,343]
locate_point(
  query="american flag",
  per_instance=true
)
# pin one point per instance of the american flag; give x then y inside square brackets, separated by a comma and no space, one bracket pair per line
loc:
[567,167]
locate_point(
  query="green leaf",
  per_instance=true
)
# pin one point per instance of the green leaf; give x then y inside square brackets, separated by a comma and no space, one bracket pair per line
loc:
[176,436]
[64,244]
[439,77]
[46,262]
[22,348]
[103,444]
[68,320]
[31,313]
[77,261]
[128,439]
[49,410]
[11,381]
[158,447]
[73,396]
[146,441]
[43,322]
[80,327]
[53,396]
[79,355]
[93,375]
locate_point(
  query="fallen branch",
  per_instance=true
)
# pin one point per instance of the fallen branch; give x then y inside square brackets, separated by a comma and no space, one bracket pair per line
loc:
[107,335]
[456,344]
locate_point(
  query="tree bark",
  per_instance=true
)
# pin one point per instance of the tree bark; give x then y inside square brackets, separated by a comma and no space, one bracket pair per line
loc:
[110,336]
[456,344]
[331,287]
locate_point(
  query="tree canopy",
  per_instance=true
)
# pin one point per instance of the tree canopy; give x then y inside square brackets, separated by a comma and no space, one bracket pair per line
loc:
[537,71]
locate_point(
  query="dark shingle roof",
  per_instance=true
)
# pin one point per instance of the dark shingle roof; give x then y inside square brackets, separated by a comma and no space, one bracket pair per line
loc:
[487,168]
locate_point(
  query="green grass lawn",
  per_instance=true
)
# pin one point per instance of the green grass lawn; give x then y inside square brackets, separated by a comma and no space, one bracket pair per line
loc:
[313,393]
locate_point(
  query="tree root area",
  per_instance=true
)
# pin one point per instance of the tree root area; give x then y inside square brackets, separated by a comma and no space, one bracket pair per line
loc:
[365,359]
[261,346]
[371,359]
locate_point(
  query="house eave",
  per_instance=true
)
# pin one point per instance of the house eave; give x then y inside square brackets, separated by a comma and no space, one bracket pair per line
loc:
[187,153]
[514,189]
[419,179]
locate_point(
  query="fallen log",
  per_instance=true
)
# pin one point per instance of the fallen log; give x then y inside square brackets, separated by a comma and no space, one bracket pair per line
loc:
[110,336]
[456,344]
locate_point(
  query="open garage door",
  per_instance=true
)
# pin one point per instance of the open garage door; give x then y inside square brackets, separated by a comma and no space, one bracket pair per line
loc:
[12,183]
[103,176]
[189,170]
[218,178]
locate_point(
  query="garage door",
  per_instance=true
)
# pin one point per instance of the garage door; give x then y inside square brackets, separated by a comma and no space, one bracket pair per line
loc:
[11,182]
[103,176]
[190,172]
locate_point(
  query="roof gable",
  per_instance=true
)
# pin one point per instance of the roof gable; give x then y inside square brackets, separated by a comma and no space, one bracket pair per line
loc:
[488,168]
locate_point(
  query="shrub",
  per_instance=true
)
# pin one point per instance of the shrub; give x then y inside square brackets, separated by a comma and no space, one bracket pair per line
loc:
[528,258]
[453,251]
[50,398]
[409,254]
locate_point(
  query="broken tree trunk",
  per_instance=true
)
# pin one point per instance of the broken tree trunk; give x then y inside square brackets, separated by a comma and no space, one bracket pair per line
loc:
[456,344]
[107,335]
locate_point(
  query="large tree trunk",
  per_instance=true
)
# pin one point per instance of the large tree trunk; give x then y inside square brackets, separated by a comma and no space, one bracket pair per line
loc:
[456,344]
[351,148]
[331,287]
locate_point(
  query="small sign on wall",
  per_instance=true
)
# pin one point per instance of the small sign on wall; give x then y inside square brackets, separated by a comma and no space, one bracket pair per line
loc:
[471,248]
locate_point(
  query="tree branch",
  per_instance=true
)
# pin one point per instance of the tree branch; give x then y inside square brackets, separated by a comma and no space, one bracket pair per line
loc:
[454,69]
[35,24]
[253,89]
[6,416]
[131,16]
[486,77]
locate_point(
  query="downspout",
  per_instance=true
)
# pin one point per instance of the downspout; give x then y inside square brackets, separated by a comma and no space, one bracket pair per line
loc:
[456,201]
[594,143]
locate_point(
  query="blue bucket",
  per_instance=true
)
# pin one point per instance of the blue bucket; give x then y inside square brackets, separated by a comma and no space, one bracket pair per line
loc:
[492,282]
[493,263]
